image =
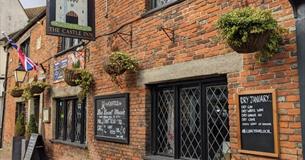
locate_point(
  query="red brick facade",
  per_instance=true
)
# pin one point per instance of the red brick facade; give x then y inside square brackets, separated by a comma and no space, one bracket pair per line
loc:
[196,38]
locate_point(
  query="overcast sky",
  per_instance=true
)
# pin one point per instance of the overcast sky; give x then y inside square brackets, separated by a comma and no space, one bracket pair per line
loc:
[32,3]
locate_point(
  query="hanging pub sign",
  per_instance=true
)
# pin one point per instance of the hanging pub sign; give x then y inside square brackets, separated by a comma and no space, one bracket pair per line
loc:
[71,18]
[112,118]
[258,123]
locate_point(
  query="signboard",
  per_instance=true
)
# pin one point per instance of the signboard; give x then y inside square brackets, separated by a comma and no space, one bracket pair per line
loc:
[59,69]
[112,118]
[258,131]
[35,149]
[71,18]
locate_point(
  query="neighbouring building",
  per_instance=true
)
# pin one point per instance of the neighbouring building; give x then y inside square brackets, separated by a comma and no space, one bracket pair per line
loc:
[185,101]
[12,19]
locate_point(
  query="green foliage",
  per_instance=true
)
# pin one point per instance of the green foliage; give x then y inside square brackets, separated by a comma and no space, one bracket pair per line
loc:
[118,63]
[39,84]
[32,126]
[27,94]
[85,81]
[20,125]
[76,64]
[236,26]
[124,60]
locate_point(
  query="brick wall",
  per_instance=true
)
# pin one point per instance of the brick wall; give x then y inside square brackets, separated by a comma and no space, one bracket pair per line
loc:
[196,38]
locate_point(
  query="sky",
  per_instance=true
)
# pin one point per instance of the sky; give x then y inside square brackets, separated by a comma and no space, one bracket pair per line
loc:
[32,3]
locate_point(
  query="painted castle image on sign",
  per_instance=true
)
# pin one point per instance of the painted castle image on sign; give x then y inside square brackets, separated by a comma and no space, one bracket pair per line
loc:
[72,14]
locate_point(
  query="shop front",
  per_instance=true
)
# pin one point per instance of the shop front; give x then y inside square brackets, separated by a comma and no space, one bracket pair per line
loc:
[183,95]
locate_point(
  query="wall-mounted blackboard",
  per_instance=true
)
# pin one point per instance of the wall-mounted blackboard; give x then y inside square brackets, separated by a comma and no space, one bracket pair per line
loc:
[112,118]
[258,130]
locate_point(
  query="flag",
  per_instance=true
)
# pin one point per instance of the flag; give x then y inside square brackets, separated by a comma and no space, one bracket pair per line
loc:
[25,61]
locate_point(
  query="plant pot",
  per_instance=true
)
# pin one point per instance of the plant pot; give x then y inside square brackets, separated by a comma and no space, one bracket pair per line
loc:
[255,43]
[71,76]
[36,89]
[17,93]
[113,69]
[19,147]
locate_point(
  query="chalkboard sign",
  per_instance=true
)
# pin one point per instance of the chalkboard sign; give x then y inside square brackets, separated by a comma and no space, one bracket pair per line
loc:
[257,114]
[35,149]
[112,118]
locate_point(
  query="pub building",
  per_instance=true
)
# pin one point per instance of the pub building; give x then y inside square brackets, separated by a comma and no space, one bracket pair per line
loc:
[190,95]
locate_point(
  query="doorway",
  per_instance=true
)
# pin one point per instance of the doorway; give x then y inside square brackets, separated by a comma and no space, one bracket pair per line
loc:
[191,119]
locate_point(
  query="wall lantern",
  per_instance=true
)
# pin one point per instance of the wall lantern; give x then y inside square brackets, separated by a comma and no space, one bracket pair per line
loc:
[20,74]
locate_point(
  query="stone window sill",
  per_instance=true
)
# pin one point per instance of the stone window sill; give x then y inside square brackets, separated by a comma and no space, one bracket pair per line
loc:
[157,157]
[82,146]
[149,12]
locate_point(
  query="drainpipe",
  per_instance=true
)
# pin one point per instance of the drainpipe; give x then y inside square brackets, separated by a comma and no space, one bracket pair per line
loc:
[299,13]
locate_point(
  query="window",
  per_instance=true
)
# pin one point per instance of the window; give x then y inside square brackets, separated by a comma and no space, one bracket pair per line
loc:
[159,3]
[190,120]
[67,42]
[71,120]
[25,47]
[20,109]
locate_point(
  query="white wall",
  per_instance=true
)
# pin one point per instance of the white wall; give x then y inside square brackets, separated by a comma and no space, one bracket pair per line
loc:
[2,62]
[12,16]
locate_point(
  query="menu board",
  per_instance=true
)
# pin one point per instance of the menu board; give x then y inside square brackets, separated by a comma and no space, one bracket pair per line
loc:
[35,149]
[112,118]
[258,123]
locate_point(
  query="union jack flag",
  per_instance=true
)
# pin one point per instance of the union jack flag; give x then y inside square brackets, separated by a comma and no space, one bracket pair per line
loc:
[25,61]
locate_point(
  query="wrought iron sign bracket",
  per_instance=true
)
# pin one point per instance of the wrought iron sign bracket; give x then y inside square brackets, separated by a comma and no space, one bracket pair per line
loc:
[170,33]
[123,35]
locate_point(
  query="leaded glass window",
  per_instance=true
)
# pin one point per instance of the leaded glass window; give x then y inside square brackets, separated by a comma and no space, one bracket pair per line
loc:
[165,127]
[71,120]
[190,120]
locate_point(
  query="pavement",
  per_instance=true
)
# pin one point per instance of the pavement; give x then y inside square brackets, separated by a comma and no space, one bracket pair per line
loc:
[5,154]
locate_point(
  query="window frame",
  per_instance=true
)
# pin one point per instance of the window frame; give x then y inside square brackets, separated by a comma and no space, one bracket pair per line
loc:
[64,138]
[203,84]
[151,10]
[64,46]
[20,109]
[25,47]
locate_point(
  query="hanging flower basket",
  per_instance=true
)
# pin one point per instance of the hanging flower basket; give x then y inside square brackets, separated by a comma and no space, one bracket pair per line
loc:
[113,68]
[17,92]
[71,75]
[255,42]
[118,63]
[249,30]
[37,87]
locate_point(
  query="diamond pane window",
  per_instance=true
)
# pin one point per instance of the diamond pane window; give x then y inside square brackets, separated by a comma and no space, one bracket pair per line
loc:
[218,122]
[165,118]
[190,123]
[190,120]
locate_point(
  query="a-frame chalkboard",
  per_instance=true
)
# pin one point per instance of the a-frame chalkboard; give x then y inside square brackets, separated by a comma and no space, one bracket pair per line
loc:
[258,123]
[35,149]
